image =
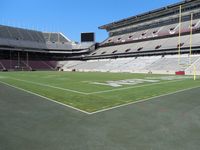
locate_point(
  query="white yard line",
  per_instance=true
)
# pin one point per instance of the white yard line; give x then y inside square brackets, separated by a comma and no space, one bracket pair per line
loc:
[98,92]
[143,100]
[55,87]
[102,110]
[132,87]
[46,98]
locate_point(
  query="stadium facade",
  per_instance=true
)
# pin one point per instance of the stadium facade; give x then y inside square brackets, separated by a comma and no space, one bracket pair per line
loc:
[165,40]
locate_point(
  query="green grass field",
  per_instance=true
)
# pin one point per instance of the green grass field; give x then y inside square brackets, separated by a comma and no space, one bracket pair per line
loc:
[93,91]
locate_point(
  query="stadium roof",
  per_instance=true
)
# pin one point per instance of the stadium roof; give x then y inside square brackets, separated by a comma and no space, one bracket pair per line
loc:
[143,15]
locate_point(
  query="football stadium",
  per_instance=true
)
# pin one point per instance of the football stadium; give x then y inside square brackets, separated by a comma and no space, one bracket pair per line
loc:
[139,89]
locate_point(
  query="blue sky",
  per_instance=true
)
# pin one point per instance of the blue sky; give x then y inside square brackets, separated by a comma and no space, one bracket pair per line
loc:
[72,17]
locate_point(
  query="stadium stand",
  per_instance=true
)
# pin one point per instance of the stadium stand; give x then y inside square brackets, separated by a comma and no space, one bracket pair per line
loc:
[41,65]
[2,68]
[13,65]
[23,49]
[146,43]
[35,40]
[57,41]
[27,66]
[148,64]
[149,42]
[152,33]
[21,38]
[190,69]
[55,37]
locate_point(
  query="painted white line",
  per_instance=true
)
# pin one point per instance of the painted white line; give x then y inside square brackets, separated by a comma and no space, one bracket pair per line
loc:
[102,110]
[85,112]
[132,87]
[98,92]
[46,85]
[143,100]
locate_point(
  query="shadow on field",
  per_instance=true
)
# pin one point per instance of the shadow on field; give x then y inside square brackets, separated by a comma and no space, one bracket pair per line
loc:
[28,122]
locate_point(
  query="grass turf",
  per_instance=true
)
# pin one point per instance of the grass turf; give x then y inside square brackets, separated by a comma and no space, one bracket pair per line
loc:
[75,88]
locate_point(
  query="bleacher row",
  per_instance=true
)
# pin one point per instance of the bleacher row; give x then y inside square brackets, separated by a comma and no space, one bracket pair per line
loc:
[154,32]
[24,38]
[152,45]
[27,66]
[21,34]
[154,64]
[55,37]
[30,35]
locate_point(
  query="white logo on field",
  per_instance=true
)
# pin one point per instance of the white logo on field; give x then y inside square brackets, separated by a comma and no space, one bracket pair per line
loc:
[124,82]
[139,81]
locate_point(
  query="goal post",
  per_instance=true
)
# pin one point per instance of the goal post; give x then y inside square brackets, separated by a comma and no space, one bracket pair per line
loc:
[188,63]
[194,72]
[191,32]
[179,36]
